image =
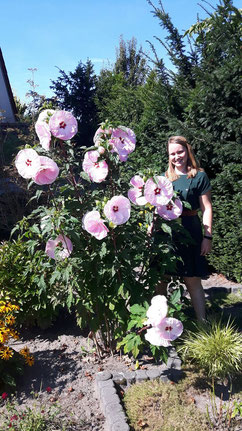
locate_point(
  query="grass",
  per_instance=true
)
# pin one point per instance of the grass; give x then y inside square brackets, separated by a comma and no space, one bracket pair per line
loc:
[159,406]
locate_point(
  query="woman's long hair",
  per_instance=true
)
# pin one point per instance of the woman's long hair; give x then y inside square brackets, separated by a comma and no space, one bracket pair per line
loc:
[192,164]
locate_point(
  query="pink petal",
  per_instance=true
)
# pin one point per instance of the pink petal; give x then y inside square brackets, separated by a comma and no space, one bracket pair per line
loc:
[154,336]
[27,162]
[170,211]
[94,225]
[157,311]
[137,181]
[63,125]
[47,172]
[159,193]
[43,133]
[51,245]
[171,328]
[117,209]
[135,195]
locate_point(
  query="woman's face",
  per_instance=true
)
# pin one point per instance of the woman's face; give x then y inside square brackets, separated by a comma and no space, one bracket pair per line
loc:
[178,157]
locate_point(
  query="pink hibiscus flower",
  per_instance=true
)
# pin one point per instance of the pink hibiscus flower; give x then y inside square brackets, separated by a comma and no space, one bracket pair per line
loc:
[94,225]
[42,128]
[170,211]
[97,170]
[123,141]
[170,328]
[162,335]
[47,172]
[136,193]
[27,162]
[61,241]
[101,135]
[157,311]
[160,192]
[63,125]
[117,209]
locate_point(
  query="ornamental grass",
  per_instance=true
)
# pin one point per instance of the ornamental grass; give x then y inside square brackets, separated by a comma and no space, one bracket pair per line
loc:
[215,347]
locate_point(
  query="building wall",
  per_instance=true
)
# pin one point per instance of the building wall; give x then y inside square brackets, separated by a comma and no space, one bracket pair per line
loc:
[5,105]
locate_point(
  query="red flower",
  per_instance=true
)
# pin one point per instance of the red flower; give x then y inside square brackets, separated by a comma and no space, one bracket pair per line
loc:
[14,418]
[48,389]
[4,395]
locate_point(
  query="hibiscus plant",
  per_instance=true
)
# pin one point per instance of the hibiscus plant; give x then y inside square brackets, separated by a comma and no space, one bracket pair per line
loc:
[105,244]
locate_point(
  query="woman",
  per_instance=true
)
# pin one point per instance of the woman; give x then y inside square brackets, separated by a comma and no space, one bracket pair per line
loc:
[194,187]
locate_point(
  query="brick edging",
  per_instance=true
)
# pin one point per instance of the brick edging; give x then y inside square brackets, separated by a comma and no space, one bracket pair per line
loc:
[107,381]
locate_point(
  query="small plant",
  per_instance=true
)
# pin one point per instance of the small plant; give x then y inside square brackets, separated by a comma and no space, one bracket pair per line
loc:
[11,362]
[38,417]
[28,419]
[215,347]
[224,416]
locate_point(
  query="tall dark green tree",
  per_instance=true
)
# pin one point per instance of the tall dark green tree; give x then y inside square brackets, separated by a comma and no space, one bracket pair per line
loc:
[131,62]
[117,95]
[75,91]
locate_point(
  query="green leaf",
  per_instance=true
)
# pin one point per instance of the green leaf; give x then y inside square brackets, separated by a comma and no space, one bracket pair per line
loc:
[166,228]
[138,309]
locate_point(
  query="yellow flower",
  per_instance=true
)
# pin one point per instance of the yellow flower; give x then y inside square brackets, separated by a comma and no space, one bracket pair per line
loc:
[29,360]
[10,320]
[6,353]
[24,352]
[14,334]
[4,335]
[6,307]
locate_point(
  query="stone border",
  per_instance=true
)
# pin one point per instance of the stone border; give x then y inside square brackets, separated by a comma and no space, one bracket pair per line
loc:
[107,384]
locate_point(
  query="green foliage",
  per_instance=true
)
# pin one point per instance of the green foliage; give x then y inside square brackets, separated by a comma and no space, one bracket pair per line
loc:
[226,254]
[27,277]
[215,347]
[131,63]
[38,417]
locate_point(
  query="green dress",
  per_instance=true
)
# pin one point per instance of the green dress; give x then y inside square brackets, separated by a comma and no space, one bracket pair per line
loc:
[192,264]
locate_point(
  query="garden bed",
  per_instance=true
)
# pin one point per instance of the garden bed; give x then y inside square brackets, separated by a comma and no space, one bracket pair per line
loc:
[64,372]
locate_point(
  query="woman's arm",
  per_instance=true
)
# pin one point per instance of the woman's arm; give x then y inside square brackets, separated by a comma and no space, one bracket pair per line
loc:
[206,207]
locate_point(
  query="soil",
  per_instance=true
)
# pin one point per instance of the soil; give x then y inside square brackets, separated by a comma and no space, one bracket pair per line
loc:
[65,367]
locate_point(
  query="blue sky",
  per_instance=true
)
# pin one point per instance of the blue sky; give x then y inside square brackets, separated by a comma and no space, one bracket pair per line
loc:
[49,33]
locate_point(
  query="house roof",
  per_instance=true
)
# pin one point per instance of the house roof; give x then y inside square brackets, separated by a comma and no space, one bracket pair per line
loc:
[7,85]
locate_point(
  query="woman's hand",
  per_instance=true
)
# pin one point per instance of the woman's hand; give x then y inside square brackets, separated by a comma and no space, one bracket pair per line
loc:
[206,246]
[206,207]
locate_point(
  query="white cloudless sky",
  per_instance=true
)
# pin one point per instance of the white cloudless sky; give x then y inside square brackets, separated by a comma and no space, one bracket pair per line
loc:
[52,34]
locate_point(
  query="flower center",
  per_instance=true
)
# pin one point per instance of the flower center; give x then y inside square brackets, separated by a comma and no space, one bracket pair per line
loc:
[28,162]
[168,328]
[121,140]
[62,125]
[115,208]
[157,191]
[169,207]
[96,164]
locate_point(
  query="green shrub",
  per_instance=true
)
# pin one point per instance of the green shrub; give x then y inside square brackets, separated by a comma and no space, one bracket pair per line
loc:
[25,277]
[226,255]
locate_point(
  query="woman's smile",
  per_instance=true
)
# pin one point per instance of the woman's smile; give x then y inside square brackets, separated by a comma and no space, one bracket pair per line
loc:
[178,157]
